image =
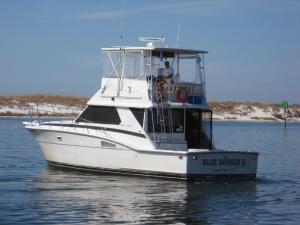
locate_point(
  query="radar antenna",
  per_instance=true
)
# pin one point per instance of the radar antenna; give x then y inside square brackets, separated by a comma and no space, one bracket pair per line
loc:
[153,41]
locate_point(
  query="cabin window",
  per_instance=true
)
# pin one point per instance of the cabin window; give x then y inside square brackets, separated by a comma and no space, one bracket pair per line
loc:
[172,119]
[178,120]
[99,114]
[138,114]
[105,144]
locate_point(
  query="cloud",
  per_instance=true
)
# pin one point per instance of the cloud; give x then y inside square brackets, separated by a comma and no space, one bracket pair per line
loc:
[202,7]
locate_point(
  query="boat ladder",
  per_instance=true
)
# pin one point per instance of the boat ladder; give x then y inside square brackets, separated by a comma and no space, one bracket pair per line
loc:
[165,121]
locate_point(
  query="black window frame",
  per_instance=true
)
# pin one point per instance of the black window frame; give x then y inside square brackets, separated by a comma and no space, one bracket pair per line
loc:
[139,114]
[100,114]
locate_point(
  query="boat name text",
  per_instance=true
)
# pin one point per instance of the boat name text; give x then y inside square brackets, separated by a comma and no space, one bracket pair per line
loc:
[223,162]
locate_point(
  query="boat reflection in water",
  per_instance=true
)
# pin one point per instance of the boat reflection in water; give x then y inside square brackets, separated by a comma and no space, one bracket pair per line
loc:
[72,196]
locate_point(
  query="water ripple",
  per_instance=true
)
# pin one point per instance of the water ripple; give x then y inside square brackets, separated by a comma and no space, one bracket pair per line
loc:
[33,193]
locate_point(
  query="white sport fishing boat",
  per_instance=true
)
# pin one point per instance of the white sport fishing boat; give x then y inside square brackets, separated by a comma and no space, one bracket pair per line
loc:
[141,124]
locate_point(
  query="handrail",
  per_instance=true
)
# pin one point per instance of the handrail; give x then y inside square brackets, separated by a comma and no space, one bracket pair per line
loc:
[167,92]
[36,111]
[48,113]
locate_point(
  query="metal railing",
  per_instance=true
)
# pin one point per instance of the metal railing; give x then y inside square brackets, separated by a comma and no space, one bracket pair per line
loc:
[40,116]
[49,112]
[179,92]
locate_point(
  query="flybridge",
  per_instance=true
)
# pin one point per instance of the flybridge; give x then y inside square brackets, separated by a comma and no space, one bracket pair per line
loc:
[147,64]
[140,62]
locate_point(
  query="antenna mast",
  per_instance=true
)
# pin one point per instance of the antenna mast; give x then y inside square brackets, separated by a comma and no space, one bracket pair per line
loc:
[122,21]
[120,77]
[178,32]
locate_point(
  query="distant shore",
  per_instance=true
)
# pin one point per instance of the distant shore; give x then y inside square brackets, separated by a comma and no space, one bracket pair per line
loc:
[19,106]
[214,120]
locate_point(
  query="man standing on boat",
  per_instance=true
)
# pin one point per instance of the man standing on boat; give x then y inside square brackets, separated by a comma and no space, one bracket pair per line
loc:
[168,72]
[166,76]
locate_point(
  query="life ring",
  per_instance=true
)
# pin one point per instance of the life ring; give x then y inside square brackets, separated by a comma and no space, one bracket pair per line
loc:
[181,95]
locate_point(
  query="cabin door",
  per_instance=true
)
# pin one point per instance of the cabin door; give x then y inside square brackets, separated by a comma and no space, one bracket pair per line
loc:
[192,127]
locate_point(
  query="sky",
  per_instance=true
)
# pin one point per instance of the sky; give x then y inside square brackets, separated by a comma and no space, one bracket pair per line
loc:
[53,46]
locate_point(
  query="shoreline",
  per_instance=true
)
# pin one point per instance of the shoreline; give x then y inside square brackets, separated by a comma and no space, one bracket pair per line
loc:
[46,106]
[35,117]
[257,121]
[214,120]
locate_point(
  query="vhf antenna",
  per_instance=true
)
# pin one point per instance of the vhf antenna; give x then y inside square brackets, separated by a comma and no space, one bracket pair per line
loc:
[178,33]
[120,77]
[122,21]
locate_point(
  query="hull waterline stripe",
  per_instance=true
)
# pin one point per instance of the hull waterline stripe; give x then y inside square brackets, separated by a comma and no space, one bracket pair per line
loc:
[203,177]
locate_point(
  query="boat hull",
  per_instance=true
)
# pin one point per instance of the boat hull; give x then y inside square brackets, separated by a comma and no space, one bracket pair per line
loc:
[84,152]
[154,174]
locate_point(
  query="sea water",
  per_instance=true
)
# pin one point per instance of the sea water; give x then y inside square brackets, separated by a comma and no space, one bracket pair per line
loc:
[33,193]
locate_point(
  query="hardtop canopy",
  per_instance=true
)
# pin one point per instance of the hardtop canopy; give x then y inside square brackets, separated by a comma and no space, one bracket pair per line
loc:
[169,51]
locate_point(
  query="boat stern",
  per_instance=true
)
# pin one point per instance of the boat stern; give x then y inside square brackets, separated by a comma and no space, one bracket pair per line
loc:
[222,165]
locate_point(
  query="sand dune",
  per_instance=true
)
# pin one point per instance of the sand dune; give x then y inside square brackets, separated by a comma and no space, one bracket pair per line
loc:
[46,105]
